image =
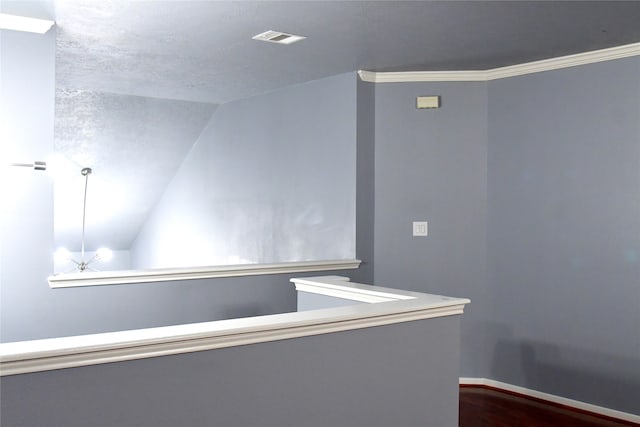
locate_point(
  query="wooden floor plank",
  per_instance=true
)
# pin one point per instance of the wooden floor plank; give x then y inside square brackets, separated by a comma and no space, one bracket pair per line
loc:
[486,407]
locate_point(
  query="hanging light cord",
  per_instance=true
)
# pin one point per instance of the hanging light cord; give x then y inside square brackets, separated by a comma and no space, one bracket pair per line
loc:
[86,172]
[102,253]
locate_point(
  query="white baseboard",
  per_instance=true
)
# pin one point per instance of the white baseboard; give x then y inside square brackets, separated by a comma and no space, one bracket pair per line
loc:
[552,398]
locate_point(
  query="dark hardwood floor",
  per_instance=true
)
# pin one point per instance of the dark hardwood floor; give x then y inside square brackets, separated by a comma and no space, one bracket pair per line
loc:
[486,407]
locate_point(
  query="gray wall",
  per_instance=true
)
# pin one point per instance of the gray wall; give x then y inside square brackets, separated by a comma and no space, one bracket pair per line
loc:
[431,165]
[78,311]
[531,187]
[311,301]
[271,179]
[382,376]
[26,210]
[365,181]
[564,232]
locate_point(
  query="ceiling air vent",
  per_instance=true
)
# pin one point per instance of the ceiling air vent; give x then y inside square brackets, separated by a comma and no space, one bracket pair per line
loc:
[278,37]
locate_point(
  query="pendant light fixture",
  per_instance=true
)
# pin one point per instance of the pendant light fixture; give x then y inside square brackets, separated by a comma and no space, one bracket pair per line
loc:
[102,254]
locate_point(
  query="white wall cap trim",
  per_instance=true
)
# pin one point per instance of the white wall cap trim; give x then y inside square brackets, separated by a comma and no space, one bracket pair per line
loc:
[617,52]
[552,398]
[169,274]
[67,352]
[333,286]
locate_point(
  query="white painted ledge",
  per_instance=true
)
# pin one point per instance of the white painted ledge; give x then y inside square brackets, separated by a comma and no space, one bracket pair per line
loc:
[67,352]
[334,286]
[552,398]
[609,54]
[69,280]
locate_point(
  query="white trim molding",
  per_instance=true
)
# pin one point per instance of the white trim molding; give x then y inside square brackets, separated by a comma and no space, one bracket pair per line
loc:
[70,280]
[423,76]
[333,286]
[600,410]
[68,352]
[584,58]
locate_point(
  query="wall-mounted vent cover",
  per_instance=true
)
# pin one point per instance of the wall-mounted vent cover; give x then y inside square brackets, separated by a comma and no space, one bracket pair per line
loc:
[278,37]
[428,102]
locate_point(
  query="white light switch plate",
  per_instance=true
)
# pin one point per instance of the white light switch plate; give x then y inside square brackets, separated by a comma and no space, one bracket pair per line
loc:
[420,228]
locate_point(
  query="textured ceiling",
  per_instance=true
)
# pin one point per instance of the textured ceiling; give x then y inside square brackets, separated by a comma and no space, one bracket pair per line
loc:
[203,51]
[137,81]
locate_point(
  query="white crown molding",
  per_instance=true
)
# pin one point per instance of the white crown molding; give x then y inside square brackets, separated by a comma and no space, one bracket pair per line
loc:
[552,398]
[423,76]
[68,352]
[71,280]
[617,52]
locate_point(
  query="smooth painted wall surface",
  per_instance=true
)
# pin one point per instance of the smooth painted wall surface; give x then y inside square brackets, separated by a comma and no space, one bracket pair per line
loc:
[365,181]
[564,232]
[27,67]
[430,165]
[531,186]
[271,179]
[311,301]
[383,376]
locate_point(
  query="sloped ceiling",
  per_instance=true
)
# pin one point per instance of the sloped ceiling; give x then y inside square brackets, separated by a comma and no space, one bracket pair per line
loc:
[134,146]
[137,81]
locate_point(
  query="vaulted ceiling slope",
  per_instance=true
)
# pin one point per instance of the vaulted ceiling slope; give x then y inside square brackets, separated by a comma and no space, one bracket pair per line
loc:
[203,51]
[133,144]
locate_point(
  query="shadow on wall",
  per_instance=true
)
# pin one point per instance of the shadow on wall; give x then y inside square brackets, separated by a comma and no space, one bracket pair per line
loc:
[234,311]
[595,377]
